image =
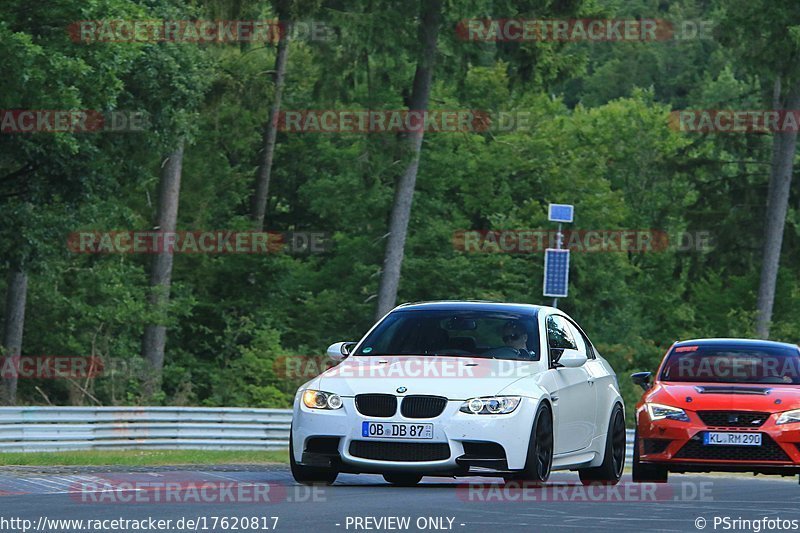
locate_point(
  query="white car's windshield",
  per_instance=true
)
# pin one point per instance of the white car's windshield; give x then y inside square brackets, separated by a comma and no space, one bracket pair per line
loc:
[489,334]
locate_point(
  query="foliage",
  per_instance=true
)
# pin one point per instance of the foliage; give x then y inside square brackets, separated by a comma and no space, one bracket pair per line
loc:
[598,136]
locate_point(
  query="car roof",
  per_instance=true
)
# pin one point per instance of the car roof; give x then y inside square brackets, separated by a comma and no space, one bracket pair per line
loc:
[472,305]
[735,342]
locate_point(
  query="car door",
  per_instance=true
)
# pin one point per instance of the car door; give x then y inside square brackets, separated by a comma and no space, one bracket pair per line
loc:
[573,396]
[596,377]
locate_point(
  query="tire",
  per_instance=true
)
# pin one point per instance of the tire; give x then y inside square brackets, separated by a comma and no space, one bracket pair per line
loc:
[540,449]
[403,479]
[646,473]
[309,475]
[610,471]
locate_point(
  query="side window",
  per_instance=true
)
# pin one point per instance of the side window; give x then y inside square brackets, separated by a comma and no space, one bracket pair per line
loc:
[559,334]
[580,342]
[584,344]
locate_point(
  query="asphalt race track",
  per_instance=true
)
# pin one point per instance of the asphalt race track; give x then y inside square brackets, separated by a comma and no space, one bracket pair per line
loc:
[366,503]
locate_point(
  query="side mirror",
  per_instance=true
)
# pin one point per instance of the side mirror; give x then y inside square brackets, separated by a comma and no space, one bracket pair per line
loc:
[338,351]
[571,358]
[642,379]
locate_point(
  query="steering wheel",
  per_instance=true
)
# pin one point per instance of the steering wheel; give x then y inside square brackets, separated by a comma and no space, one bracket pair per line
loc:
[503,352]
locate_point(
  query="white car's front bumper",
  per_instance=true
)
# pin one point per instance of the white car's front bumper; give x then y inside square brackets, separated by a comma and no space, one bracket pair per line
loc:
[452,427]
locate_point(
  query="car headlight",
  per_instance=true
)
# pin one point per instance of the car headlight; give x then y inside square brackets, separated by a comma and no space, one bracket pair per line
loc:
[317,399]
[789,416]
[492,405]
[661,412]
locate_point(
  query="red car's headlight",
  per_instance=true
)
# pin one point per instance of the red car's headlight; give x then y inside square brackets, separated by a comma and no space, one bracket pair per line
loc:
[789,417]
[661,412]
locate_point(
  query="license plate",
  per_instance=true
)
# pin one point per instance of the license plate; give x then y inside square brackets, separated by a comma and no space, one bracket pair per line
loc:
[396,430]
[720,438]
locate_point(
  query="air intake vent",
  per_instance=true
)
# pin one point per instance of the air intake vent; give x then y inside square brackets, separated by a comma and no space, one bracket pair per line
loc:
[400,451]
[484,450]
[323,445]
[727,389]
[768,451]
[655,445]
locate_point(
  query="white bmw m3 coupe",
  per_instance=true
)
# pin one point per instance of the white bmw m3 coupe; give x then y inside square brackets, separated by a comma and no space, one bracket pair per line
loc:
[462,388]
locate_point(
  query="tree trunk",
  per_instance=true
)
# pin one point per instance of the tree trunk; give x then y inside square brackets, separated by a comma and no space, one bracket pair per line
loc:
[264,173]
[780,181]
[155,335]
[16,297]
[431,13]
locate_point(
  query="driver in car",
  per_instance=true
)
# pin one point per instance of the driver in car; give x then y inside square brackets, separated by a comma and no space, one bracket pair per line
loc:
[516,337]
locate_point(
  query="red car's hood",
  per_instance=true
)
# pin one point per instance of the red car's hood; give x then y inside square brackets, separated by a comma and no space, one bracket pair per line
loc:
[723,397]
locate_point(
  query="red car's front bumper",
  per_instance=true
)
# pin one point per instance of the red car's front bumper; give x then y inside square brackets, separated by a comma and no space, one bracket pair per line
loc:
[679,445]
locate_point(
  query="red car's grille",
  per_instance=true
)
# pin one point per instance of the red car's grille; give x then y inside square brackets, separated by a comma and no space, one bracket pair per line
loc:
[400,451]
[733,419]
[768,451]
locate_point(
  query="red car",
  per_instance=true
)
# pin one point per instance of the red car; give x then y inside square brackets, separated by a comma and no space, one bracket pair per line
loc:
[729,405]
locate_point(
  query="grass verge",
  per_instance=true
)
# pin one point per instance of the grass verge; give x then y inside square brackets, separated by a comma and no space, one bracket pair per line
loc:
[142,458]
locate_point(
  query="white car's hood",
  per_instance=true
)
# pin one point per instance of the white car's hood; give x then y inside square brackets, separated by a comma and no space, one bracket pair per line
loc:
[456,378]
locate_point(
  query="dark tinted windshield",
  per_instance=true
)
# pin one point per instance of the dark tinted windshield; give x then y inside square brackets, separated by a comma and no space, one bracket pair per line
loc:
[469,333]
[733,364]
